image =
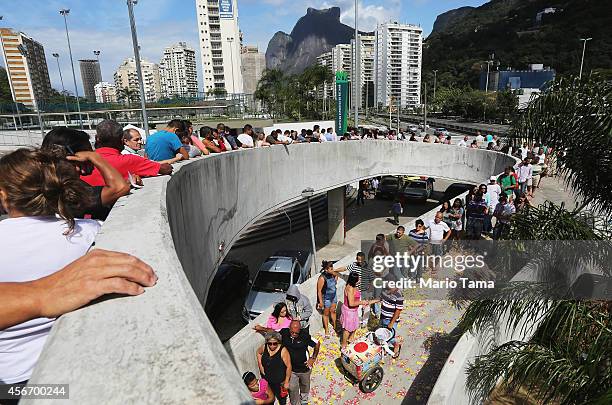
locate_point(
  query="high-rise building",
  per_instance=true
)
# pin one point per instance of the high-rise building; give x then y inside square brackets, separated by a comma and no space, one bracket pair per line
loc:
[220,43]
[105,92]
[253,66]
[398,60]
[28,75]
[91,75]
[326,60]
[126,77]
[178,73]
[366,69]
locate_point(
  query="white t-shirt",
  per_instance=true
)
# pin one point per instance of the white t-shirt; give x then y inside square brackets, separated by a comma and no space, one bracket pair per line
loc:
[462,143]
[32,248]
[524,153]
[436,231]
[479,139]
[246,140]
[493,191]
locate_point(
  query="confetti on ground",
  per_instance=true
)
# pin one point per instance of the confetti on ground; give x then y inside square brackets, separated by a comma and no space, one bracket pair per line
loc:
[423,323]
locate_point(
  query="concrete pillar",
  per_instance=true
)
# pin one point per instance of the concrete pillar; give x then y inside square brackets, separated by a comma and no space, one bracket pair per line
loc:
[335,215]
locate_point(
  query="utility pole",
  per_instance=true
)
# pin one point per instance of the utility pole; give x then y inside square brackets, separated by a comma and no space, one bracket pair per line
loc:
[64,12]
[425,109]
[143,96]
[584,40]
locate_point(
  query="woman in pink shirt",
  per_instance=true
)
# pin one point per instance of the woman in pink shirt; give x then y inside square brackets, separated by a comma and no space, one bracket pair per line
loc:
[279,319]
[259,388]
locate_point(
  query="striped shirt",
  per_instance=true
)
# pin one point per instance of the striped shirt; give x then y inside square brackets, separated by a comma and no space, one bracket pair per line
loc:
[366,275]
[419,237]
[390,303]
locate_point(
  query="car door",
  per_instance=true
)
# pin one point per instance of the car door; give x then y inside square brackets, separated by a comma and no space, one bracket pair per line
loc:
[296,276]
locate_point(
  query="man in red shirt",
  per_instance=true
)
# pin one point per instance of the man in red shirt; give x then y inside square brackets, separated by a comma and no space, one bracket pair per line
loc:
[109,144]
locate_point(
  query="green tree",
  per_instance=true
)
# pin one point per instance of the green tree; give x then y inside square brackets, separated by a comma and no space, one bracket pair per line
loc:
[128,95]
[566,358]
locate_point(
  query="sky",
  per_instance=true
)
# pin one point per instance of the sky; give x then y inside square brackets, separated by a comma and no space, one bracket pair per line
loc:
[104,25]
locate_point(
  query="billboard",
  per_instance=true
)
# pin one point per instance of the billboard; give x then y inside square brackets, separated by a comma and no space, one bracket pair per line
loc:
[226,8]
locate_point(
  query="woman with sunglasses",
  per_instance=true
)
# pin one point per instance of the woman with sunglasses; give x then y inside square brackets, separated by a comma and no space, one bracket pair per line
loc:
[275,365]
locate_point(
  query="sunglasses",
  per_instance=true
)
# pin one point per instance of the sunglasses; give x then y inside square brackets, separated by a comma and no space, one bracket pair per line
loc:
[272,344]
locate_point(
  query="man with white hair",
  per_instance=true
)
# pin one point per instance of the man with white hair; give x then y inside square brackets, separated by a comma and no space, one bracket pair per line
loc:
[132,142]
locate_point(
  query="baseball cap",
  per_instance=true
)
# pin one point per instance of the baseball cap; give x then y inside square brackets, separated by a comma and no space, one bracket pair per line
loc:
[493,178]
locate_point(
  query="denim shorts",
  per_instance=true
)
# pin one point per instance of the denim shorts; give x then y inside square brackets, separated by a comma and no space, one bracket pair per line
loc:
[328,301]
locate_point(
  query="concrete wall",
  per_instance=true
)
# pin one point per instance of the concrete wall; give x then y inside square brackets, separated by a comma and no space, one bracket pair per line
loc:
[160,347]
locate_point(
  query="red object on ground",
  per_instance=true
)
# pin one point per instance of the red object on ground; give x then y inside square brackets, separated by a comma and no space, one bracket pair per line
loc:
[361,347]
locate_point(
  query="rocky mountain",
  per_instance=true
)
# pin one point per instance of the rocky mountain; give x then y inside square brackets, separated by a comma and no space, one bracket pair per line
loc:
[519,32]
[315,33]
[450,17]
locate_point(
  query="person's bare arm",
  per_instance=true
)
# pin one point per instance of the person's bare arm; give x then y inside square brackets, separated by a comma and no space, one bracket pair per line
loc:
[259,354]
[211,146]
[98,273]
[165,169]
[315,353]
[115,185]
[183,152]
[396,315]
[320,283]
[287,360]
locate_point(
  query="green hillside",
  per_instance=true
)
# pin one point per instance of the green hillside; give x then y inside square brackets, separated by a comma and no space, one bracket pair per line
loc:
[508,28]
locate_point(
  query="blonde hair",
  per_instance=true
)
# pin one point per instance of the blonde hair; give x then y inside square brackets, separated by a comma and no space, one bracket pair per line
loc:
[43,183]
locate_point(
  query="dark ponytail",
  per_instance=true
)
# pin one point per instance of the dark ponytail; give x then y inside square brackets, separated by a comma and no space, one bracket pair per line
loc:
[42,183]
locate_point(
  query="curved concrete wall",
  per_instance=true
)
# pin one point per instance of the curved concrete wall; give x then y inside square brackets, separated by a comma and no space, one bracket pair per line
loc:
[160,347]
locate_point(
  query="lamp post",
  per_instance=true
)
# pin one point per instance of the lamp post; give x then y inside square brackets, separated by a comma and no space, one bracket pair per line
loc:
[56,56]
[435,72]
[64,12]
[489,62]
[143,96]
[307,195]
[231,50]
[584,40]
[24,53]
[357,75]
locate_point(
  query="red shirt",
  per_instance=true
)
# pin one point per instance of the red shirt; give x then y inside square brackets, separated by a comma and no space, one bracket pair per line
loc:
[123,163]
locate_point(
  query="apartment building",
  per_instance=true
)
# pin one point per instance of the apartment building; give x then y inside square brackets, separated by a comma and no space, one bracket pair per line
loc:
[126,77]
[253,65]
[178,72]
[105,92]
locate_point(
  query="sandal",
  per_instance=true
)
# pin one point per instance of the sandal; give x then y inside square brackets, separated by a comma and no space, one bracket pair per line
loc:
[395,356]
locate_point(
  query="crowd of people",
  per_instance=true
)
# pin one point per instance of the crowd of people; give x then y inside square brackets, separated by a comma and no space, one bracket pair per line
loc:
[56,195]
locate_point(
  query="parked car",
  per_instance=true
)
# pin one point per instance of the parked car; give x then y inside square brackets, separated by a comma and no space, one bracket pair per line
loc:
[441,131]
[456,189]
[416,188]
[273,279]
[389,187]
[231,282]
[413,129]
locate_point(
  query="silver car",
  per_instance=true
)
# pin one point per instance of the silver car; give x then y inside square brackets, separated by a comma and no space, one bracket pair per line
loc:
[274,278]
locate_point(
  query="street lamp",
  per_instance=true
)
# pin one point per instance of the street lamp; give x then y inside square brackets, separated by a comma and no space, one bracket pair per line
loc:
[435,72]
[56,56]
[307,195]
[64,12]
[24,52]
[584,40]
[231,50]
[143,103]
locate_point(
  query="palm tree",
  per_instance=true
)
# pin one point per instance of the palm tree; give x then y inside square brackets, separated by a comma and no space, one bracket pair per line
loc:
[128,95]
[565,357]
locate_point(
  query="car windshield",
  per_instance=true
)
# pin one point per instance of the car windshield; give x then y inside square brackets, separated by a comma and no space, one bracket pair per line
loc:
[416,184]
[271,281]
[389,182]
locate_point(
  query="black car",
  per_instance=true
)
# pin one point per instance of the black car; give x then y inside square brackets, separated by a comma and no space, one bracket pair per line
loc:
[456,189]
[231,282]
[389,187]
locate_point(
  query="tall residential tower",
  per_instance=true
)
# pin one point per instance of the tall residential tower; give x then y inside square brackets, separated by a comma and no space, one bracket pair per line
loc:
[126,77]
[27,75]
[253,66]
[220,42]
[178,71]
[398,60]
